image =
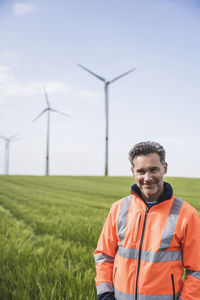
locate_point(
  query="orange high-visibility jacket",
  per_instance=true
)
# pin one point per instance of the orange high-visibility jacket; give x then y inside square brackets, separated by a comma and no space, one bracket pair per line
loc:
[141,253]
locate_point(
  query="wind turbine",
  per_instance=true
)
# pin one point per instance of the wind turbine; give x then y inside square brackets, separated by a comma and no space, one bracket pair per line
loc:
[47,110]
[8,140]
[106,84]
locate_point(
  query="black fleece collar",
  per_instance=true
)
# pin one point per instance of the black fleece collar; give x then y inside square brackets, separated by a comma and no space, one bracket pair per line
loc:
[166,195]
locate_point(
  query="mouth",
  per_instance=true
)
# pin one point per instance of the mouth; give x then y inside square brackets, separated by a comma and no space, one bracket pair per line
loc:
[148,185]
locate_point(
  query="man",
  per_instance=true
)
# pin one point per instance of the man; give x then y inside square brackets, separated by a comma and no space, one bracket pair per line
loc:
[149,238]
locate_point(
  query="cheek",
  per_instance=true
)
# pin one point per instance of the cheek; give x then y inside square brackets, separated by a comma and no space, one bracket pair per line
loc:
[138,179]
[159,178]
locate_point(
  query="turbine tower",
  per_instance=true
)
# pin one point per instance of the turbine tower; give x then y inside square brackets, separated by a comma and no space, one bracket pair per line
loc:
[7,140]
[106,84]
[47,110]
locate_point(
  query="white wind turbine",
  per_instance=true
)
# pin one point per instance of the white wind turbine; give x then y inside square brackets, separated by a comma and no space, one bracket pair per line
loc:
[47,110]
[8,140]
[106,84]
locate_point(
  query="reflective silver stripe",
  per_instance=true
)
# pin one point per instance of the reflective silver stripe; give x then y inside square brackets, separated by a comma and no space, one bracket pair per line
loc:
[160,256]
[99,258]
[104,287]
[193,273]
[122,217]
[128,252]
[125,296]
[171,224]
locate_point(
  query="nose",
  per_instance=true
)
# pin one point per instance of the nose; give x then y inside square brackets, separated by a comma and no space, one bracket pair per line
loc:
[147,177]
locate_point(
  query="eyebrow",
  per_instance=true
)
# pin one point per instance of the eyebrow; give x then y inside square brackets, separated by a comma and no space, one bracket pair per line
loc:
[140,170]
[151,168]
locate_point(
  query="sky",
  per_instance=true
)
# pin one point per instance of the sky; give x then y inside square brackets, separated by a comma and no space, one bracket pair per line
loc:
[41,44]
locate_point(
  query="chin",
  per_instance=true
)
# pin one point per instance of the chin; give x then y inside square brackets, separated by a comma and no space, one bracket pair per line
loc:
[149,193]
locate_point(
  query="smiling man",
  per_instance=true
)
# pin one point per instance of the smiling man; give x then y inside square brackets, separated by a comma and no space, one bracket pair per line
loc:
[149,238]
[149,172]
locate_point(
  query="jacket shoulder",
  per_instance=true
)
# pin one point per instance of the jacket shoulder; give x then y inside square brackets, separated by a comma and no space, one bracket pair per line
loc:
[188,210]
[115,206]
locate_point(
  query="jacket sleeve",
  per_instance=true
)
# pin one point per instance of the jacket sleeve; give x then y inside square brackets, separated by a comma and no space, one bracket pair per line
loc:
[106,296]
[104,256]
[191,258]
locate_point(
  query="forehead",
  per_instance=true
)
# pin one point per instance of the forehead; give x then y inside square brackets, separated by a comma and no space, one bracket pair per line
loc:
[148,160]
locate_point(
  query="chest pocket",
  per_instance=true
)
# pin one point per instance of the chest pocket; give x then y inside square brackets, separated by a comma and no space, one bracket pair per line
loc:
[132,233]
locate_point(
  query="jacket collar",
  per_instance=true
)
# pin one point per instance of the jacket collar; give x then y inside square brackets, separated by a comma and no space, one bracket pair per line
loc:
[166,195]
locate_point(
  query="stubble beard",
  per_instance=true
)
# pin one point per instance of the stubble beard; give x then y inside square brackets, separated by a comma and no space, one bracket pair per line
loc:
[153,197]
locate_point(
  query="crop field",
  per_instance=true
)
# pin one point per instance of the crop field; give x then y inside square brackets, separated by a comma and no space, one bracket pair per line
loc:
[49,227]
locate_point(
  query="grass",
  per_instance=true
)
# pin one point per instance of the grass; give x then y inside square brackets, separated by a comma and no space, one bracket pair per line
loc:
[49,228]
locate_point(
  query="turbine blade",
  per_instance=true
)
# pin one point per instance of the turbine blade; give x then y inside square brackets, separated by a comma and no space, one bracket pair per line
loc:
[59,112]
[13,136]
[3,137]
[15,139]
[99,77]
[122,75]
[46,97]
[39,115]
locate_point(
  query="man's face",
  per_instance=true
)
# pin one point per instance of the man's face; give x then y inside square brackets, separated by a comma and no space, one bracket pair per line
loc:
[149,174]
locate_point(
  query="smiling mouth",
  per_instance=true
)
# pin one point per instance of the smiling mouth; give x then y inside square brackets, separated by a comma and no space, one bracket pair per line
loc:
[148,185]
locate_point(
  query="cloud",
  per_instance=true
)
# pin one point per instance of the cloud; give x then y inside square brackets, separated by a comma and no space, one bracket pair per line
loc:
[4,74]
[12,86]
[9,58]
[57,86]
[8,54]
[86,94]
[21,8]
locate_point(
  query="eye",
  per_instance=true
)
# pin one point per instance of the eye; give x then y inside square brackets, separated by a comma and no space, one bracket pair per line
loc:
[154,170]
[141,172]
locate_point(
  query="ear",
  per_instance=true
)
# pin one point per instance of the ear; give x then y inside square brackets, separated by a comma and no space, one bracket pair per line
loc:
[165,168]
[132,170]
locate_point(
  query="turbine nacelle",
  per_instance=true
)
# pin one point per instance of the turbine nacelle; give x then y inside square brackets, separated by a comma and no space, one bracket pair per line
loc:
[48,108]
[11,138]
[107,82]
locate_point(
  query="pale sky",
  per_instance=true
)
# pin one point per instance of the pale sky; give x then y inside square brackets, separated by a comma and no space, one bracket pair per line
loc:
[41,44]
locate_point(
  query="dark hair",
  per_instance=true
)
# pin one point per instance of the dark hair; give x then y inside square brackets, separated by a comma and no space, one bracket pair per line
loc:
[145,148]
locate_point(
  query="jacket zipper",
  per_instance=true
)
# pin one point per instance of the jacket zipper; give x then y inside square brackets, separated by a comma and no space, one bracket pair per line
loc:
[114,273]
[173,286]
[139,257]
[137,228]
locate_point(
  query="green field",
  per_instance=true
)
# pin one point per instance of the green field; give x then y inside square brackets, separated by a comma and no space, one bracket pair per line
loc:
[49,228]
